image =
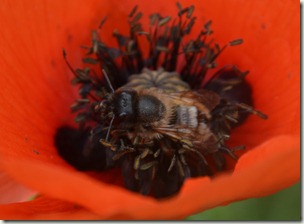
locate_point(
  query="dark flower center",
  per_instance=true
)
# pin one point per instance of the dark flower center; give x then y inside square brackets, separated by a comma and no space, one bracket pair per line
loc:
[158,124]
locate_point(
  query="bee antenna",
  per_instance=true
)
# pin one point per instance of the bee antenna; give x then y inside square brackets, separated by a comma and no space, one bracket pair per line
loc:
[108,80]
[109,128]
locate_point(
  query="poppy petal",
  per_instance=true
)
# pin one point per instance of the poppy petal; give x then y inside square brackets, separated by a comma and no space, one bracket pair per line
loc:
[45,208]
[36,95]
[35,88]
[257,174]
[11,191]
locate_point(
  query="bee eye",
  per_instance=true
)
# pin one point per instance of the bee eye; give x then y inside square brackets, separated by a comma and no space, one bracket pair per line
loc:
[124,103]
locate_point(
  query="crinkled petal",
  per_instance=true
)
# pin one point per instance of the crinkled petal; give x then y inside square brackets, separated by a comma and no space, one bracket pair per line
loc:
[36,94]
[258,173]
[11,191]
[45,208]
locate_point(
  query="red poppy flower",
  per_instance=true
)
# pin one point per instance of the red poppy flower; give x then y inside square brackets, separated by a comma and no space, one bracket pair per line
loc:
[36,94]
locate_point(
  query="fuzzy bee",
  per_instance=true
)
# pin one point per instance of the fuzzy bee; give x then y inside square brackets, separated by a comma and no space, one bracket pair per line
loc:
[157,112]
[156,116]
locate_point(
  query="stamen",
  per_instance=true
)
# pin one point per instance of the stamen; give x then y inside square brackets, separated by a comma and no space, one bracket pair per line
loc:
[191,117]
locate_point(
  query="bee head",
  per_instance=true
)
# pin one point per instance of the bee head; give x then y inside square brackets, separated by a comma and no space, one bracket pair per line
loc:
[123,105]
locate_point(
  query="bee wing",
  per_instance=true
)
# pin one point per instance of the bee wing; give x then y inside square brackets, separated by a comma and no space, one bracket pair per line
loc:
[191,137]
[208,98]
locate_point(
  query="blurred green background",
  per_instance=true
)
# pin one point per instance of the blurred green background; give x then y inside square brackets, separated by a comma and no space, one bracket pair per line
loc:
[284,205]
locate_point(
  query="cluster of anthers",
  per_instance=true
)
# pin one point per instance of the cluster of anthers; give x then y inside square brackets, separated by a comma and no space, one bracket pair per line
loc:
[160,124]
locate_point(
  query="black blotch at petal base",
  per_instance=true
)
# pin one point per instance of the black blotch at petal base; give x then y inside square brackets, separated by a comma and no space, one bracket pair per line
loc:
[74,146]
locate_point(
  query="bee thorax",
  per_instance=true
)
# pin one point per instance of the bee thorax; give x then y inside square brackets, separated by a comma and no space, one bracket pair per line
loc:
[150,109]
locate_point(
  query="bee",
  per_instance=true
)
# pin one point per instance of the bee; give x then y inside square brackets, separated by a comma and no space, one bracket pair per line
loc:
[157,117]
[152,114]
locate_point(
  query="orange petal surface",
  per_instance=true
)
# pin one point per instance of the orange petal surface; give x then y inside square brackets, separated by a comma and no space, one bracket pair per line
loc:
[257,174]
[45,208]
[36,94]
[11,191]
